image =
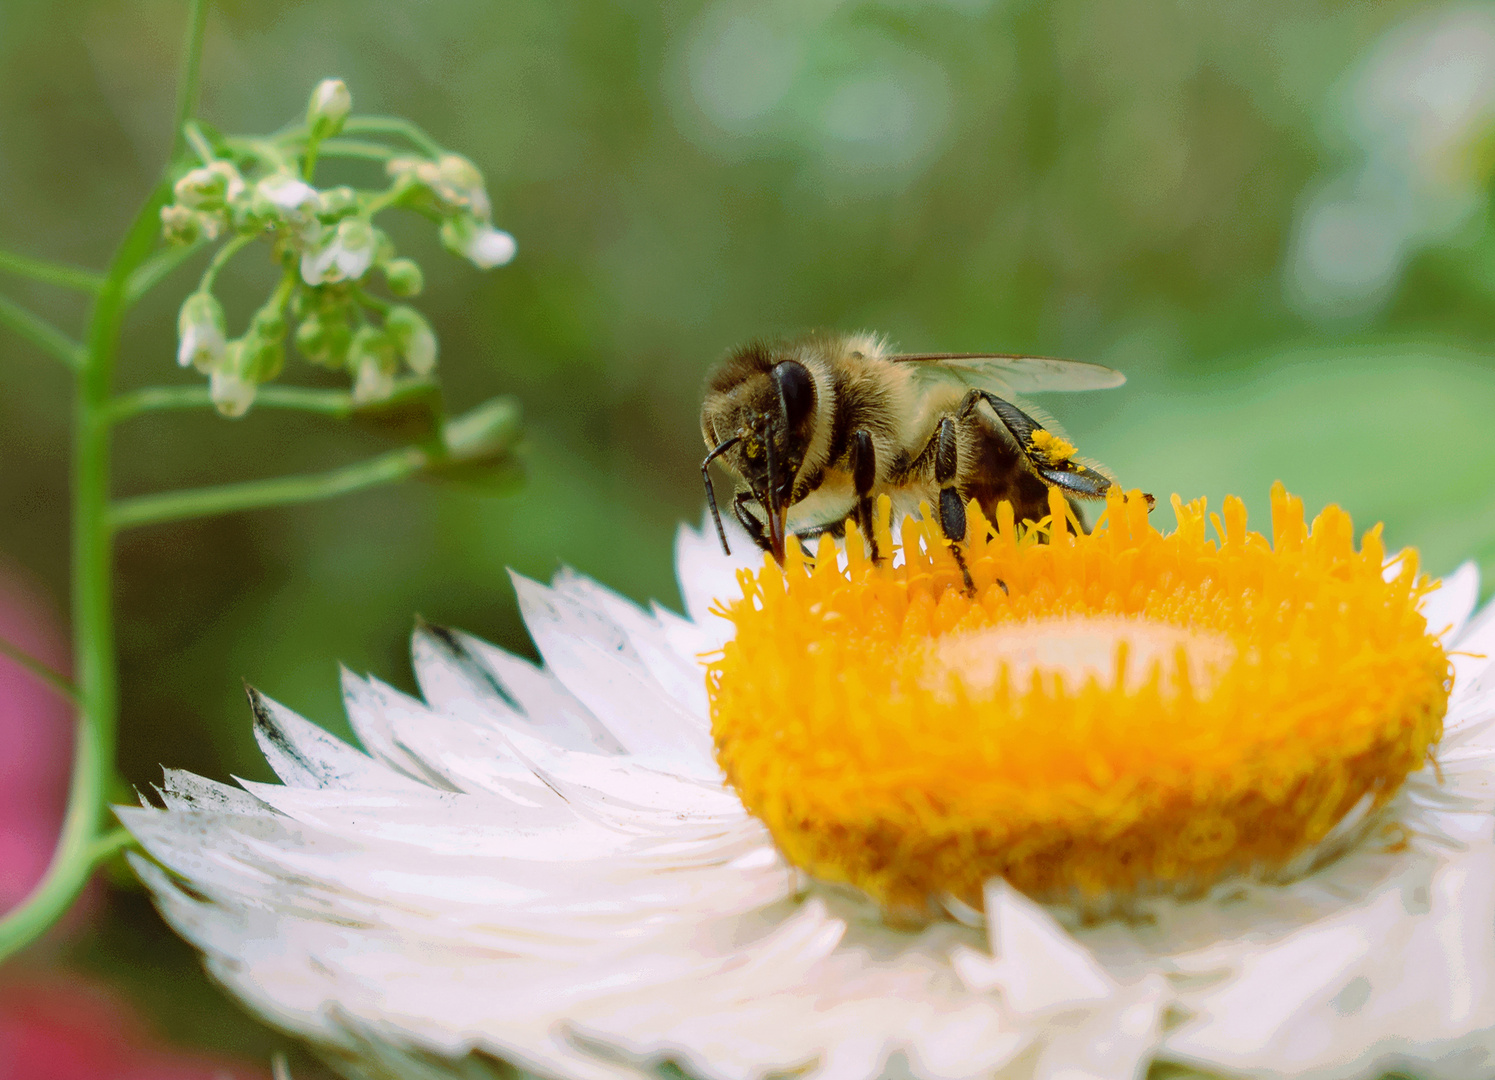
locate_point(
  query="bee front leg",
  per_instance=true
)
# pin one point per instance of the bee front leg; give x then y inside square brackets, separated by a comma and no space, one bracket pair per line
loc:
[863,476]
[754,527]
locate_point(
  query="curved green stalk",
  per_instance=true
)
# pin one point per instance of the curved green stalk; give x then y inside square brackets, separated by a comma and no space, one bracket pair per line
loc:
[53,678]
[41,333]
[277,491]
[79,847]
[50,273]
[335,403]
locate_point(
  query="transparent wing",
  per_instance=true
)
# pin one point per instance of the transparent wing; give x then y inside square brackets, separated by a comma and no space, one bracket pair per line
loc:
[1004,375]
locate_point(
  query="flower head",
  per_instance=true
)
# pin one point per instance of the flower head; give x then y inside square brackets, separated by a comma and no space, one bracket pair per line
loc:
[346,254]
[328,108]
[544,864]
[201,332]
[478,242]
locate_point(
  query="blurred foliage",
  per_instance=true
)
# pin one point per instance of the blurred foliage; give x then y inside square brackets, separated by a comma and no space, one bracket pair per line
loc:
[1133,184]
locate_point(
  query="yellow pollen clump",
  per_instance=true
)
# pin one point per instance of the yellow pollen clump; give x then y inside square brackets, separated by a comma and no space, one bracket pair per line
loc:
[1055,448]
[1111,714]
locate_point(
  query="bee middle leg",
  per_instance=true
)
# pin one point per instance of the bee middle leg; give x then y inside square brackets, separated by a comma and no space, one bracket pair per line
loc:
[863,476]
[944,448]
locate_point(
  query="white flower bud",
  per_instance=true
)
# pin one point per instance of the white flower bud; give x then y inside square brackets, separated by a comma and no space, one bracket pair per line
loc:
[200,331]
[414,338]
[480,243]
[404,277]
[374,358]
[231,391]
[180,226]
[288,194]
[209,187]
[459,183]
[329,106]
[346,257]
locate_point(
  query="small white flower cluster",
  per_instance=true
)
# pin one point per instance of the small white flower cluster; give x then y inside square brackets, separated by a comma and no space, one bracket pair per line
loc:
[329,250]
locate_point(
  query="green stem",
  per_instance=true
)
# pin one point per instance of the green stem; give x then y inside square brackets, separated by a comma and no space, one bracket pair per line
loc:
[256,494]
[41,333]
[188,86]
[47,674]
[393,125]
[72,277]
[335,403]
[109,845]
[221,258]
[151,272]
[93,573]
[357,148]
[199,143]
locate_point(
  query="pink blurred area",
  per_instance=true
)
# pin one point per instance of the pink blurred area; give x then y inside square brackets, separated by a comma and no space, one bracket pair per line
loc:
[36,731]
[56,1025]
[65,1028]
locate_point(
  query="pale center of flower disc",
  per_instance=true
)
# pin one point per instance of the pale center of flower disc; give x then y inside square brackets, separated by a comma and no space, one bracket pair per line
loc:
[1110,714]
[1079,650]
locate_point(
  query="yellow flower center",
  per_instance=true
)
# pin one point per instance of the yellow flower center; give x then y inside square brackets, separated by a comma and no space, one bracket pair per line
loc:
[1118,713]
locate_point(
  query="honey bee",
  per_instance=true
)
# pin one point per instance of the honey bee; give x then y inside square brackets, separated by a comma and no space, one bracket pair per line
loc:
[816,428]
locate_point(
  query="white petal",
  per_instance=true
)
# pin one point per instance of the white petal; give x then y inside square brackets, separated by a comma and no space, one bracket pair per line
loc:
[1447,608]
[707,576]
[1474,649]
[460,675]
[592,657]
[303,755]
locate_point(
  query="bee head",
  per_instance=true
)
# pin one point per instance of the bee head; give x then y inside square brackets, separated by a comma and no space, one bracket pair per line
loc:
[758,417]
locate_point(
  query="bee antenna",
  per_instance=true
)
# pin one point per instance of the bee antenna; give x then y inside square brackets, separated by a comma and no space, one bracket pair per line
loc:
[716,516]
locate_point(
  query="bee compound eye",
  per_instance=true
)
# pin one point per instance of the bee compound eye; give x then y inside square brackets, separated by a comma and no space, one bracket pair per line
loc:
[796,391]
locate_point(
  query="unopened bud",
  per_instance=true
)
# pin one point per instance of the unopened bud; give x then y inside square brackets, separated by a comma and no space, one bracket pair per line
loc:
[404,277]
[347,257]
[328,108]
[180,226]
[460,184]
[281,194]
[209,187]
[269,324]
[264,358]
[374,358]
[481,244]
[485,434]
[232,392]
[414,338]
[339,201]
[200,332]
[324,341]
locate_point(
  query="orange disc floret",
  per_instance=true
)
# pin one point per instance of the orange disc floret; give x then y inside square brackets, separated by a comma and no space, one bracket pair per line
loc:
[1110,714]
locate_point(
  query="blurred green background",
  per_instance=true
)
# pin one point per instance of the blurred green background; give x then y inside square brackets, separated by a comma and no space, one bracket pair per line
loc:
[1274,217]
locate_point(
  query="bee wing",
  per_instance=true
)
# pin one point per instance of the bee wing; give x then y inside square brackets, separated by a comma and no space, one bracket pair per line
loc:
[1004,375]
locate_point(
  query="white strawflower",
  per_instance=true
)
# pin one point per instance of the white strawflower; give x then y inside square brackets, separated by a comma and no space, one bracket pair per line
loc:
[544,865]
